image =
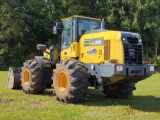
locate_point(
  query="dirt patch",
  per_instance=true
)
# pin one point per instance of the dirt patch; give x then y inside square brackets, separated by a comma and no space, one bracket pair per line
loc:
[1,95]
[6,100]
[2,83]
[38,102]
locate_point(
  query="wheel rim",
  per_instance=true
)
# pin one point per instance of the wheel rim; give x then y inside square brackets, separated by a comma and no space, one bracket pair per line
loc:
[26,76]
[62,81]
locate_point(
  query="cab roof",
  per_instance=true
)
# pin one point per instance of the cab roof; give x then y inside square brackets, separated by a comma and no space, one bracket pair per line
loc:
[78,16]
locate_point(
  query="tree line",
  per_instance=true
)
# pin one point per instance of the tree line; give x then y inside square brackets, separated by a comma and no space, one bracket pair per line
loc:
[25,23]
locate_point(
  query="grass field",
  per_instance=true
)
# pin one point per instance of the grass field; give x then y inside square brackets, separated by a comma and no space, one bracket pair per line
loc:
[144,105]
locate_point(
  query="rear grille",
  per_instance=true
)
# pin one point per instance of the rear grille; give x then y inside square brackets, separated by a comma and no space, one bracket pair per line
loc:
[132,40]
[133,54]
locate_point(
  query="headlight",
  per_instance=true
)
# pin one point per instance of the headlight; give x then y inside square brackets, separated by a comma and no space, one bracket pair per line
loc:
[123,39]
[140,40]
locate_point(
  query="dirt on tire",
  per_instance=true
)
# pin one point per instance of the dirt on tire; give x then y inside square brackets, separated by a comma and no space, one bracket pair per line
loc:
[77,78]
[35,84]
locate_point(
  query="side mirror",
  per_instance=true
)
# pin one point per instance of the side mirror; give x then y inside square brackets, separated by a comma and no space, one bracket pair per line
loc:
[58,27]
[41,47]
[54,29]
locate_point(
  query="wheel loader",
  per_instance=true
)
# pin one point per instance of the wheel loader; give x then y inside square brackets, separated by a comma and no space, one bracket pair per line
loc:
[89,55]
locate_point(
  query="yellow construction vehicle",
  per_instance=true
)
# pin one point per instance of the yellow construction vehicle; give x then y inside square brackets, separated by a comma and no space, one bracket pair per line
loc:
[89,55]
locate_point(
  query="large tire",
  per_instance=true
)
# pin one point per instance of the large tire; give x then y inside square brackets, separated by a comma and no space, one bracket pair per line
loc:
[31,78]
[70,81]
[120,91]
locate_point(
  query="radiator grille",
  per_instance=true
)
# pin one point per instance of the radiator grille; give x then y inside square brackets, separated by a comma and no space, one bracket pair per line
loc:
[133,54]
[132,40]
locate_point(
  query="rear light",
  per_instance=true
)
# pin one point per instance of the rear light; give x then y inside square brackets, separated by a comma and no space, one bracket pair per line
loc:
[114,61]
[119,68]
[152,69]
[145,62]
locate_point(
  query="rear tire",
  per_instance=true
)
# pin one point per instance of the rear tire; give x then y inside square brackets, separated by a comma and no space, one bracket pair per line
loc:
[31,78]
[70,81]
[121,91]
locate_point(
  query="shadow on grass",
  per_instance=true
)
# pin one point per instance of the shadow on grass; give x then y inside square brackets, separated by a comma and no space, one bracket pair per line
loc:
[97,98]
[143,103]
[47,93]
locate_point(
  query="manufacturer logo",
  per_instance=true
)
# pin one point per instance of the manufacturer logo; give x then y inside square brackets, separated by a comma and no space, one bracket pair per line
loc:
[94,42]
[92,51]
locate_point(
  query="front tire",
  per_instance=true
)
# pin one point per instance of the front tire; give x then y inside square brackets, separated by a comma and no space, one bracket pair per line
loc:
[70,81]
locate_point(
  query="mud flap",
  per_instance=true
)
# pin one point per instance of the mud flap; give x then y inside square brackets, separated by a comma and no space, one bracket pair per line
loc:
[13,80]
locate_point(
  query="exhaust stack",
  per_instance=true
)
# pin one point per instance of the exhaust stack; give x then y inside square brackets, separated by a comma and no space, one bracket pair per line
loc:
[103,24]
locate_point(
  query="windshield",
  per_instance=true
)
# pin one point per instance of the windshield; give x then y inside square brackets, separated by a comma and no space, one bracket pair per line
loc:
[85,25]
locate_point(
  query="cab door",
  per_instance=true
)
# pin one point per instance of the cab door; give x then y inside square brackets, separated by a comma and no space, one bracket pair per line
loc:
[66,39]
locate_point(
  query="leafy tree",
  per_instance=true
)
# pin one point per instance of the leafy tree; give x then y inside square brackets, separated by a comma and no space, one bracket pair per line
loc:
[25,23]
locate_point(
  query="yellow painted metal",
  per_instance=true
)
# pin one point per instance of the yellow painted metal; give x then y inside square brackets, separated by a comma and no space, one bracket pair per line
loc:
[80,50]
[62,81]
[76,16]
[116,47]
[47,55]
[70,52]
[119,51]
[74,49]
[26,75]
[55,54]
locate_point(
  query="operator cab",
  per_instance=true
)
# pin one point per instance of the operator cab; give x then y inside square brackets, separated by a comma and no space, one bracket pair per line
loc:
[73,28]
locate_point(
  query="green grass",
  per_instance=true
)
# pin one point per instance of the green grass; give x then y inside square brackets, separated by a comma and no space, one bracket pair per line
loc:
[145,104]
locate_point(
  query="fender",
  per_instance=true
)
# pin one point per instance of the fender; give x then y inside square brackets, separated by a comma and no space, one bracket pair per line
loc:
[46,69]
[43,62]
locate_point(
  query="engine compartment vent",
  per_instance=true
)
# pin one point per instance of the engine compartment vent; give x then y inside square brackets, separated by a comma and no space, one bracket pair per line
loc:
[132,40]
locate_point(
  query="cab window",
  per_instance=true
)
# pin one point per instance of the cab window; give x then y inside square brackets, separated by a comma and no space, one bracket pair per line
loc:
[66,34]
[85,25]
